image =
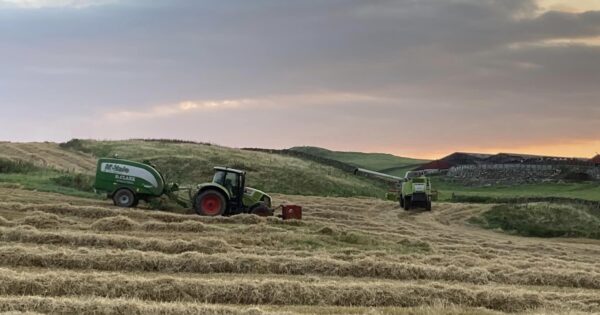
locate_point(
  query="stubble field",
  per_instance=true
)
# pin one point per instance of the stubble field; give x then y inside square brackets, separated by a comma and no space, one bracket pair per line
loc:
[62,254]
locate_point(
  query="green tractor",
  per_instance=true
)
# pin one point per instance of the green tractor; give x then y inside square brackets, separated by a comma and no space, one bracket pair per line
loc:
[227,194]
[128,182]
[416,191]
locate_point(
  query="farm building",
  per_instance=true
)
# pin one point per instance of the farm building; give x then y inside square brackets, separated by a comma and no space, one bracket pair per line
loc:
[462,158]
[514,158]
[596,160]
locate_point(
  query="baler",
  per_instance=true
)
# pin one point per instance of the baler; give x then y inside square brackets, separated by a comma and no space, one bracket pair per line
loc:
[128,182]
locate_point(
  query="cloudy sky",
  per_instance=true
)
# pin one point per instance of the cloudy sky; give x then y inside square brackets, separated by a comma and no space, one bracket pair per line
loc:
[411,77]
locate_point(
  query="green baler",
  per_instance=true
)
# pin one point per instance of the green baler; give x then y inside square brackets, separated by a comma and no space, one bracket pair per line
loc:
[128,182]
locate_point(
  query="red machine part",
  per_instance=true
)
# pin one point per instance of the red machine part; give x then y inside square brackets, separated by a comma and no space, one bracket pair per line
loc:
[291,212]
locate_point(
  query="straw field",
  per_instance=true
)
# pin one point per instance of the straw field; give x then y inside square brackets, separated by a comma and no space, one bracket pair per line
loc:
[61,254]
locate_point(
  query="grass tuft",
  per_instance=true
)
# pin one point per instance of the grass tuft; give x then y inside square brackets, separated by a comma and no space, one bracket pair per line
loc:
[16,166]
[542,220]
[118,223]
[44,220]
[81,182]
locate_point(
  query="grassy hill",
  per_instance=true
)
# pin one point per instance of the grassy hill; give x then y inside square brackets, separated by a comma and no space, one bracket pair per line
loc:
[381,162]
[69,169]
[43,164]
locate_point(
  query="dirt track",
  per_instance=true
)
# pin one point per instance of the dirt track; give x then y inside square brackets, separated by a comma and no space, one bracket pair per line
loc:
[348,255]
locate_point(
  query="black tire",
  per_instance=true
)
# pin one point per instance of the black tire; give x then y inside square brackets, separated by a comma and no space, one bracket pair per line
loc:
[428,206]
[210,203]
[124,198]
[407,203]
[401,201]
[261,210]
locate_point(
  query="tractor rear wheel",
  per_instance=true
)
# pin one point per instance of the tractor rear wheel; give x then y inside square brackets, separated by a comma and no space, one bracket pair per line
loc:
[210,203]
[124,198]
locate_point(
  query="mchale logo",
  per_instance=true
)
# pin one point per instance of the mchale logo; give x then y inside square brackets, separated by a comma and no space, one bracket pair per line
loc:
[116,168]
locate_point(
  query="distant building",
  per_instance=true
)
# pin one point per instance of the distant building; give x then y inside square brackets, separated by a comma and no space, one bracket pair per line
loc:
[435,165]
[454,159]
[596,160]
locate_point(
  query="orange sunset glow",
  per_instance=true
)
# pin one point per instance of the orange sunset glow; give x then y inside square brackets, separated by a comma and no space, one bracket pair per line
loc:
[573,6]
[576,149]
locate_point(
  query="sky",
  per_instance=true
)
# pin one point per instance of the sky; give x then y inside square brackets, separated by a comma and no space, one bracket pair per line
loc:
[419,78]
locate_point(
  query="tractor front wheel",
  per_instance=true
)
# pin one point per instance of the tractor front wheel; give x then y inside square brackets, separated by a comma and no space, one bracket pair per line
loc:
[124,198]
[210,203]
[262,210]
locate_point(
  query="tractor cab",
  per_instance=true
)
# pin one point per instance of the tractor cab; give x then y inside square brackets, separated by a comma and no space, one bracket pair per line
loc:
[234,182]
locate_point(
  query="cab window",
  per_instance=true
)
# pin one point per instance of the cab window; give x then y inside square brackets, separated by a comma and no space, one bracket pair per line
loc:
[219,178]
[232,183]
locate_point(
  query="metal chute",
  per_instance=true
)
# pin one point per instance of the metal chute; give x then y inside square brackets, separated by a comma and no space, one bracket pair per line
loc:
[369,173]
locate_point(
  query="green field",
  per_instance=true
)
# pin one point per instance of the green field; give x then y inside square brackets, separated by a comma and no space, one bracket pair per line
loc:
[381,162]
[49,181]
[576,190]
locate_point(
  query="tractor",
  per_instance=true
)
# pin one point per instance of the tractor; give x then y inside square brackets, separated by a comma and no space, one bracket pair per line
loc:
[412,190]
[416,191]
[227,194]
[128,182]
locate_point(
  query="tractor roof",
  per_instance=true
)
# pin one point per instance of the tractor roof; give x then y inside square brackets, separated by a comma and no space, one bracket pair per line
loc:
[227,169]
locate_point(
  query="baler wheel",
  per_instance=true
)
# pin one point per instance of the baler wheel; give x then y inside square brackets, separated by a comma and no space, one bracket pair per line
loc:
[210,203]
[124,198]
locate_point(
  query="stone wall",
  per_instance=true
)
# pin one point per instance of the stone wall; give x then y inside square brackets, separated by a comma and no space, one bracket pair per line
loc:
[514,174]
[594,172]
